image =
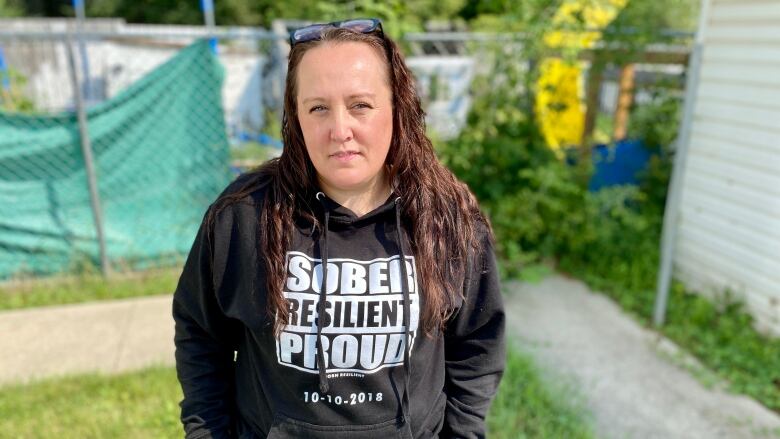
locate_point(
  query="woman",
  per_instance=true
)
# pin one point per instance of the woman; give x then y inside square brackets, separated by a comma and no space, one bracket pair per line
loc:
[410,343]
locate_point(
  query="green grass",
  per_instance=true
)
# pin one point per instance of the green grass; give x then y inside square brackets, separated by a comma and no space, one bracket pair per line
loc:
[145,404]
[26,293]
[718,332]
[254,152]
[140,404]
[527,406]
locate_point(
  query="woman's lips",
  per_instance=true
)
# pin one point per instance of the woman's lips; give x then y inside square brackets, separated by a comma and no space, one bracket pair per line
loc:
[345,156]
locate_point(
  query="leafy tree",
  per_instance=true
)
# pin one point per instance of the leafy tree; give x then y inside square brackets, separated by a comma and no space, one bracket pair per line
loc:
[42,8]
[641,22]
[644,16]
[400,16]
[510,16]
[226,12]
[10,8]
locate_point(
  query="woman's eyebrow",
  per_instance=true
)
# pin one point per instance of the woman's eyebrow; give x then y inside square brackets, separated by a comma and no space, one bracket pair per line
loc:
[362,95]
[312,99]
[352,96]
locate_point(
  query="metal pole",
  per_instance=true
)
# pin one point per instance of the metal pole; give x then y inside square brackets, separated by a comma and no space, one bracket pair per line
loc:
[78,6]
[671,211]
[86,149]
[207,6]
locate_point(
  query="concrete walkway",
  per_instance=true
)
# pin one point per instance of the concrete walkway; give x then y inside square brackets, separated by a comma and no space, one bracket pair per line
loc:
[108,337]
[633,382]
[627,375]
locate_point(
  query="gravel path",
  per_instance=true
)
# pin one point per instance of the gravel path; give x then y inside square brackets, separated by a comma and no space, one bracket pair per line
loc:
[635,383]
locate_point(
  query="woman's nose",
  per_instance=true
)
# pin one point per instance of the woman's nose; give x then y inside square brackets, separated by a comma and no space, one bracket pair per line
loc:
[340,130]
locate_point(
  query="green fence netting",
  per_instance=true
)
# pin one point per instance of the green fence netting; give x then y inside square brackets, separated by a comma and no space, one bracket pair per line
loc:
[161,156]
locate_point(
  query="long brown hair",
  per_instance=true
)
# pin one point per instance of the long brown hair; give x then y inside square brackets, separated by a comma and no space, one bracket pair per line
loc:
[440,212]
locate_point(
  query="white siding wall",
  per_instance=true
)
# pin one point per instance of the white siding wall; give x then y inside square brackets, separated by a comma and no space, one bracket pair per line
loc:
[729,228]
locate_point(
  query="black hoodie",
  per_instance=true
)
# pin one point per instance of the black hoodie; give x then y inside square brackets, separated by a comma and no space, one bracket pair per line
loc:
[240,381]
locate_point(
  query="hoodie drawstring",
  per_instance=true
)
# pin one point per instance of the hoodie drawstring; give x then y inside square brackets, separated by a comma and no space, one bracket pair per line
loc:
[323,298]
[324,386]
[407,307]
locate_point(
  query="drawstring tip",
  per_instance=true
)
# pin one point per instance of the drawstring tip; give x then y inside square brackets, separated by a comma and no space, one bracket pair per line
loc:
[323,378]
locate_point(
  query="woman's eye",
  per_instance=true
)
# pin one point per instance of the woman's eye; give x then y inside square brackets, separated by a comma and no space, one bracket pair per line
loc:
[316,108]
[361,105]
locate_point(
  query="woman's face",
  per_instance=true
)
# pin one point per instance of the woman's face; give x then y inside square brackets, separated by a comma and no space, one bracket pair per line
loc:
[345,112]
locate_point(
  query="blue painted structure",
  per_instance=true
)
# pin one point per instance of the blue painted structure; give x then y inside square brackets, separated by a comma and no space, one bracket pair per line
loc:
[619,163]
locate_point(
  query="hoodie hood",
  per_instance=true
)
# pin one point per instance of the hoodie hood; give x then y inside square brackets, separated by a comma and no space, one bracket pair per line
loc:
[342,216]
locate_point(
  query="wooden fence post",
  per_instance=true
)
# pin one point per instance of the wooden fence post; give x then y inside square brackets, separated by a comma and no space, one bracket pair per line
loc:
[625,99]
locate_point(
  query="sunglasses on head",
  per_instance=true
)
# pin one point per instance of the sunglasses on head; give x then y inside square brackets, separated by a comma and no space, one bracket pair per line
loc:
[314,31]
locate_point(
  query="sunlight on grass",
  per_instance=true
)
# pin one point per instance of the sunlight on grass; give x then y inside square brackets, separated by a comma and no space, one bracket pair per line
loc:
[529,407]
[133,405]
[86,287]
[145,404]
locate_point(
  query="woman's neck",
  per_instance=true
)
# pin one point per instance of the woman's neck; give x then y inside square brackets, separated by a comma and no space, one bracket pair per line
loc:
[360,200]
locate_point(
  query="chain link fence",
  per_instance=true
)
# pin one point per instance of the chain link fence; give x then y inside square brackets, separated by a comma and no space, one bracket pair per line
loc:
[170,114]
